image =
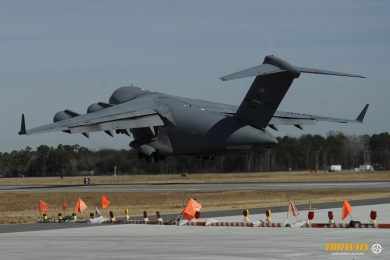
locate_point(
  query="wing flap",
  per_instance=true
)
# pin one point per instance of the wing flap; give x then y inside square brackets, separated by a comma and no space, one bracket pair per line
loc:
[140,122]
[291,121]
[98,122]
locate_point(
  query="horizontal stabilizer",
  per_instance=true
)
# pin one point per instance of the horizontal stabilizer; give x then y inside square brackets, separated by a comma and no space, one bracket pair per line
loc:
[273,64]
[328,72]
[259,70]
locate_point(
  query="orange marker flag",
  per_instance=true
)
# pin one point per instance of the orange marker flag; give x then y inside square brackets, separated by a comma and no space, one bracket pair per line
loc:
[347,210]
[80,206]
[292,209]
[104,202]
[64,205]
[190,210]
[43,207]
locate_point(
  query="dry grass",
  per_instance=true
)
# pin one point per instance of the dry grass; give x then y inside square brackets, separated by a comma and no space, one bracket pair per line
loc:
[209,177]
[21,207]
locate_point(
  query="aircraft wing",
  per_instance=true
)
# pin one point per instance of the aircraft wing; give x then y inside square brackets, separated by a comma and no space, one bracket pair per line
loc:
[296,119]
[112,118]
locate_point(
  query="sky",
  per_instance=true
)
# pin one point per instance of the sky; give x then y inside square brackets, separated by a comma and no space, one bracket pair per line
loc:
[57,55]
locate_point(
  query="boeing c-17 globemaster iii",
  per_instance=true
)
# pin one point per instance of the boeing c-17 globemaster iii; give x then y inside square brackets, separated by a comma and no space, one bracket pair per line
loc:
[163,125]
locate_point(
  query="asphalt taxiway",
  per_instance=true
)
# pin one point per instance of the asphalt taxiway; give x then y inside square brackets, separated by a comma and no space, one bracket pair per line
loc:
[201,187]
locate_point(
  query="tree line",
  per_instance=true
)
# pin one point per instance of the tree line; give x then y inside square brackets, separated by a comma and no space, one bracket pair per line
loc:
[307,152]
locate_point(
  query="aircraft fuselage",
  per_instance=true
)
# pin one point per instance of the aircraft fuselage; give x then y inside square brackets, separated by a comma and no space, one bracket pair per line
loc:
[195,127]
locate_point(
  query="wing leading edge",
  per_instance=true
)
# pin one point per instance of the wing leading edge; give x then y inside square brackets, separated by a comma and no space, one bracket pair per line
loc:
[98,121]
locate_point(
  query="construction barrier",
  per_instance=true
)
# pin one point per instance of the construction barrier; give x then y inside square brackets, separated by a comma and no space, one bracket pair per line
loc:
[265,224]
[149,222]
[383,225]
[340,225]
[192,213]
[123,220]
[233,224]
[279,225]
[230,224]
[197,223]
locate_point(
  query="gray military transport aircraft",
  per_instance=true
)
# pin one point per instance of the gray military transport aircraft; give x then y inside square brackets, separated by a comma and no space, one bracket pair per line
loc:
[164,125]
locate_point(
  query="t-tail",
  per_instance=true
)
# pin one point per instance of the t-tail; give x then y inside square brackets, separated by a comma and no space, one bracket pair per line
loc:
[273,79]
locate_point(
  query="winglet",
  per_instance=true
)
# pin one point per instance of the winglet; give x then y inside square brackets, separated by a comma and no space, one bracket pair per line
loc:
[22,126]
[362,114]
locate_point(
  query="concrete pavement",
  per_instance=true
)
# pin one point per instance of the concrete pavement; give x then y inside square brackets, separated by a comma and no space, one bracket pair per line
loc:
[179,242]
[186,242]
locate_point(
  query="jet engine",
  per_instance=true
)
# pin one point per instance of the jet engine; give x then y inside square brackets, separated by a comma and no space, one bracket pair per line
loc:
[64,114]
[97,107]
[124,94]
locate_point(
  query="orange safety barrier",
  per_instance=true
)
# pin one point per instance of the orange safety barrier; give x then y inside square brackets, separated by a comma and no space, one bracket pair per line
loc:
[270,225]
[340,225]
[383,225]
[264,224]
[231,224]
[196,223]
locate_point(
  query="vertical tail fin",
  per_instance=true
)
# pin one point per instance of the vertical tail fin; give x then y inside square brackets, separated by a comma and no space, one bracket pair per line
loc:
[362,114]
[273,79]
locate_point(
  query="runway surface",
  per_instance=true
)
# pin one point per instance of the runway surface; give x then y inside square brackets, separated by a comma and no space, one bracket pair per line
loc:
[179,242]
[202,187]
[54,241]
